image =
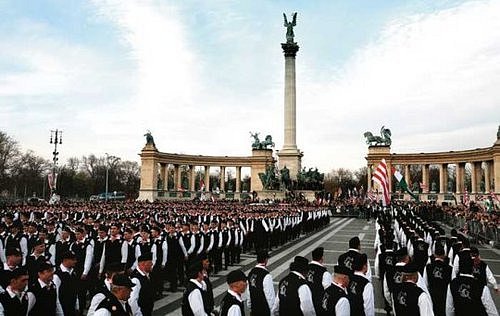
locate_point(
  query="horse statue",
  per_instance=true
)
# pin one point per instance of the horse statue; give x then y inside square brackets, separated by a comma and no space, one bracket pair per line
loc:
[383,140]
[268,141]
[257,144]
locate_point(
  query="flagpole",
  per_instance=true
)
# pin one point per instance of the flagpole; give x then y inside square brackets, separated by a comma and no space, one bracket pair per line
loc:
[56,139]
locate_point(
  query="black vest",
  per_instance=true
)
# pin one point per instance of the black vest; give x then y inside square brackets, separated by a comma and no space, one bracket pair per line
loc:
[130,253]
[346,259]
[438,277]
[479,272]
[208,298]
[467,292]
[315,282]
[228,301]
[61,247]
[68,291]
[174,249]
[113,305]
[186,308]
[12,306]
[186,239]
[256,287]
[405,299]
[80,250]
[98,248]
[394,277]
[146,295]
[355,290]
[45,300]
[330,299]
[288,293]
[113,251]
[387,261]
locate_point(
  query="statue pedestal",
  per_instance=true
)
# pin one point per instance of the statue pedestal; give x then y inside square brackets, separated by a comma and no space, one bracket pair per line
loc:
[264,157]
[292,159]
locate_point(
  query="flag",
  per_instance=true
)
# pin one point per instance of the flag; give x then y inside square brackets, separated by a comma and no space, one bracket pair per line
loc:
[52,179]
[380,177]
[402,183]
[494,196]
[370,195]
[202,185]
[466,197]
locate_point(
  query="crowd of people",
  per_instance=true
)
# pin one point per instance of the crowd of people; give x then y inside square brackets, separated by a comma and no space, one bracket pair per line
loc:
[69,255]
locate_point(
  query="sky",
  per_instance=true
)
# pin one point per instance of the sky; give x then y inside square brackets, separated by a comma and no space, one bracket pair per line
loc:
[201,75]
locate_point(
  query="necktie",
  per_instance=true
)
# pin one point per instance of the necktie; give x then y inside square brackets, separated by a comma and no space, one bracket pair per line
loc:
[128,308]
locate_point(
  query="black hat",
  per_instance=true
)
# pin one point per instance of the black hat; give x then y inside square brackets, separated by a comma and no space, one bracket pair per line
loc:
[262,255]
[194,269]
[299,264]
[235,276]
[410,268]
[12,251]
[44,266]
[68,255]
[318,253]
[359,261]
[465,265]
[122,280]
[17,273]
[474,252]
[202,256]
[354,242]
[338,269]
[145,257]
[439,251]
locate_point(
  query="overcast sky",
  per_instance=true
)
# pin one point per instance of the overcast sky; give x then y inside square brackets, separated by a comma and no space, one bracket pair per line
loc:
[202,74]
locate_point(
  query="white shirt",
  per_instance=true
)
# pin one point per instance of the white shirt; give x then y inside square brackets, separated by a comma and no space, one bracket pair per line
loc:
[97,299]
[59,311]
[368,296]
[31,299]
[235,309]
[267,283]
[57,282]
[342,307]
[134,296]
[305,297]
[327,276]
[486,299]
[195,299]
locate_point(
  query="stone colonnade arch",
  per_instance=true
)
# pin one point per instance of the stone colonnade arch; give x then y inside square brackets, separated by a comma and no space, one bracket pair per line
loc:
[484,162]
[155,164]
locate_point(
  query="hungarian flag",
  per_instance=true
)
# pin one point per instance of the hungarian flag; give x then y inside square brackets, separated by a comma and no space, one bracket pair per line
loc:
[380,177]
[202,185]
[466,198]
[402,183]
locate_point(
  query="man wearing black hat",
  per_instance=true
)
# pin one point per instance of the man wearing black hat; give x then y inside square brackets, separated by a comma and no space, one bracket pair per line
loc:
[360,289]
[335,300]
[408,297]
[66,283]
[194,301]
[15,301]
[209,295]
[35,258]
[437,276]
[12,262]
[47,302]
[318,277]
[83,250]
[117,303]
[481,271]
[16,239]
[260,285]
[346,259]
[467,296]
[104,289]
[143,293]
[232,303]
[294,295]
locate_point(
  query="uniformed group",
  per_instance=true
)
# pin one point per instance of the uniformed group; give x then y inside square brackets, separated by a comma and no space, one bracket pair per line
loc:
[100,259]
[425,272]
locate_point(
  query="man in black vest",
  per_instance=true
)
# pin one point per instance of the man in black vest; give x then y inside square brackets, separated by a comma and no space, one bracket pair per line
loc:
[47,302]
[174,258]
[103,291]
[294,295]
[481,271]
[318,278]
[160,254]
[232,304]
[467,296]
[142,294]
[83,251]
[35,258]
[13,260]
[193,298]
[346,259]
[15,301]
[360,289]
[66,282]
[437,276]
[116,303]
[209,296]
[335,300]
[408,299]
[260,285]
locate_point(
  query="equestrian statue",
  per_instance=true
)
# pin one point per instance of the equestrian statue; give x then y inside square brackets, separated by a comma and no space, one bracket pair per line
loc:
[383,140]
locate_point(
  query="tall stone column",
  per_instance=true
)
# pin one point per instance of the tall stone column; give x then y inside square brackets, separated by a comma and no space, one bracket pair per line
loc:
[407,177]
[425,177]
[389,175]
[162,174]
[192,178]
[487,176]
[207,178]
[177,177]
[476,177]
[290,156]
[443,178]
[165,179]
[369,176]
[460,177]
[222,179]
[238,179]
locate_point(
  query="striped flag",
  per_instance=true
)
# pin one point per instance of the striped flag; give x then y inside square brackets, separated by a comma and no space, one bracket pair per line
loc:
[370,195]
[494,196]
[380,177]
[424,187]
[202,185]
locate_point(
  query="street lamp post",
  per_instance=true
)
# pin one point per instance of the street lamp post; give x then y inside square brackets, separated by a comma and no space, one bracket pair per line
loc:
[107,174]
[55,138]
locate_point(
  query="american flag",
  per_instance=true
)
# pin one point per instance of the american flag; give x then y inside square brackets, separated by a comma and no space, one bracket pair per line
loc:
[380,177]
[371,196]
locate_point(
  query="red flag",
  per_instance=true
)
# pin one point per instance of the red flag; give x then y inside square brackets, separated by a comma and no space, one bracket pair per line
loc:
[380,177]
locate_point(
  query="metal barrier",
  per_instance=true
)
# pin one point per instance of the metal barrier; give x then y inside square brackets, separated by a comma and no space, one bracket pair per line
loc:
[480,232]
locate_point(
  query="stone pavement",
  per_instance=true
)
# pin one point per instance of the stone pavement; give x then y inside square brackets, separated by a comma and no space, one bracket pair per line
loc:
[334,239]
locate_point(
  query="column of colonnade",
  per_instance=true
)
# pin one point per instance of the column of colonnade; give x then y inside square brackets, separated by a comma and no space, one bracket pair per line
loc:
[177,177]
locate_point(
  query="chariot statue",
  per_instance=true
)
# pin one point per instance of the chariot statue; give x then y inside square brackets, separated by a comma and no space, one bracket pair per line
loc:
[383,140]
[258,144]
